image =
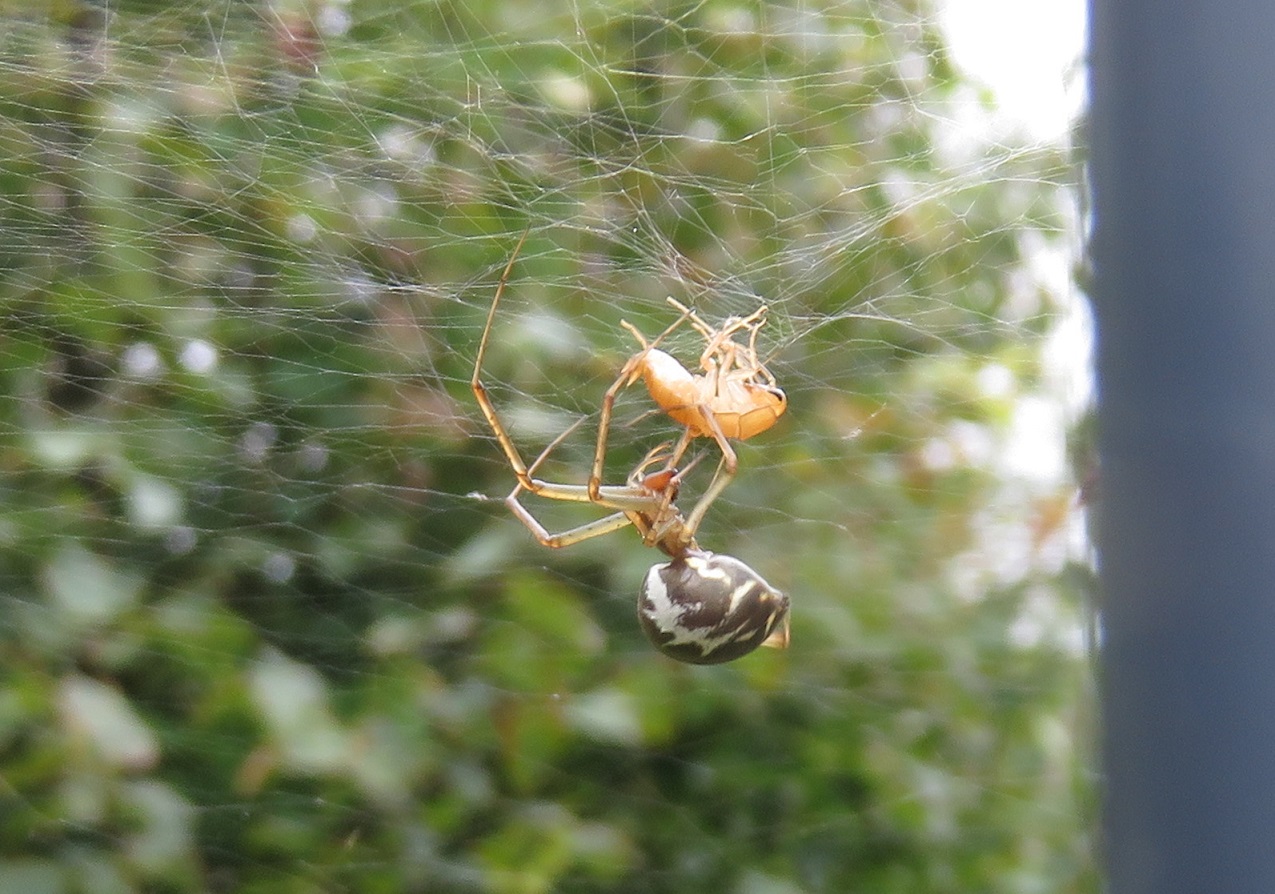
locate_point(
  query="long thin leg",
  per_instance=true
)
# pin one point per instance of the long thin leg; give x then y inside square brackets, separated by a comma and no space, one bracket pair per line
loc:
[596,528]
[699,324]
[606,525]
[627,374]
[480,390]
[725,473]
[722,340]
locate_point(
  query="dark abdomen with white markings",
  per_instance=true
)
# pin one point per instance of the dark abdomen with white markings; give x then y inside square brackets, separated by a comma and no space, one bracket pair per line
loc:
[705,608]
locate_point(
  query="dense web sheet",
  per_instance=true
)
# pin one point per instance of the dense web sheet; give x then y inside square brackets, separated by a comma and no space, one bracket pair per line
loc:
[267,624]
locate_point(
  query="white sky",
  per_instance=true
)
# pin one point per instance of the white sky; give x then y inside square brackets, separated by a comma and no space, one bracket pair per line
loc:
[1026,51]
[1029,53]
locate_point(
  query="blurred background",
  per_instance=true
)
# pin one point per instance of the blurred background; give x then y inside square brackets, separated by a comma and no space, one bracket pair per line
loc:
[265,622]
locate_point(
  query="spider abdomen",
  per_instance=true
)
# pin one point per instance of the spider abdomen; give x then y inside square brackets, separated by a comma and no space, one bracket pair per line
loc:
[673,387]
[742,405]
[704,608]
[745,409]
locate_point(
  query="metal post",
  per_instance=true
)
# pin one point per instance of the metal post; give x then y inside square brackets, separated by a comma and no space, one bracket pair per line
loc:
[1183,172]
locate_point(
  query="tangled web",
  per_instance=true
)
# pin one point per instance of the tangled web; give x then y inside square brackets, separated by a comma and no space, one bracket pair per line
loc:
[267,624]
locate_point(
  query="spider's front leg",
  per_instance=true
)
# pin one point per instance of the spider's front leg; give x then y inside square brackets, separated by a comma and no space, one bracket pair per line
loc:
[483,398]
[596,528]
[566,492]
[646,364]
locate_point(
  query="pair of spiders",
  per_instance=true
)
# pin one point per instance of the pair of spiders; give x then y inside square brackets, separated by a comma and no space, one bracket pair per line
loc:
[700,607]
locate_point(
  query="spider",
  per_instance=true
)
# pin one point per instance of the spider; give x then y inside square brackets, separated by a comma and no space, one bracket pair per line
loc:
[736,396]
[700,607]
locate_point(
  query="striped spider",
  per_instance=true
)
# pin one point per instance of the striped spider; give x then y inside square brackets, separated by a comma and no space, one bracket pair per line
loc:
[699,607]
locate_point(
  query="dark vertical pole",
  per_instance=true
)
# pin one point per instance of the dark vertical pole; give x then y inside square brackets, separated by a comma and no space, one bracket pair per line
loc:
[1183,167]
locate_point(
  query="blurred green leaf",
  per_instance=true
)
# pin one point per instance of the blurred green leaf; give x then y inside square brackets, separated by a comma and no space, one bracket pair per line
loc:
[88,588]
[265,624]
[105,721]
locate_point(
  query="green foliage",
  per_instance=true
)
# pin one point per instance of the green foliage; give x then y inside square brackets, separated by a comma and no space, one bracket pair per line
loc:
[257,632]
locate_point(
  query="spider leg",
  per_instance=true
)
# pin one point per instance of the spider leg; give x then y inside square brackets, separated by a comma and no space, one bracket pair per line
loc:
[597,528]
[674,457]
[700,326]
[654,533]
[551,446]
[627,374]
[756,365]
[754,327]
[725,472]
[480,390]
[721,354]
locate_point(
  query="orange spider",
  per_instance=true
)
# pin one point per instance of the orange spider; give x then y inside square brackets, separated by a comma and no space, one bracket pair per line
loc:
[700,607]
[736,396]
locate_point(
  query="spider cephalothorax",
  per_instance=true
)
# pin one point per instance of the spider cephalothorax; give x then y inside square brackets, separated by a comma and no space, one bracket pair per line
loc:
[700,608]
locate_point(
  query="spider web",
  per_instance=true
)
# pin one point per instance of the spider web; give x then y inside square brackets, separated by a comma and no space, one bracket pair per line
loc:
[268,624]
